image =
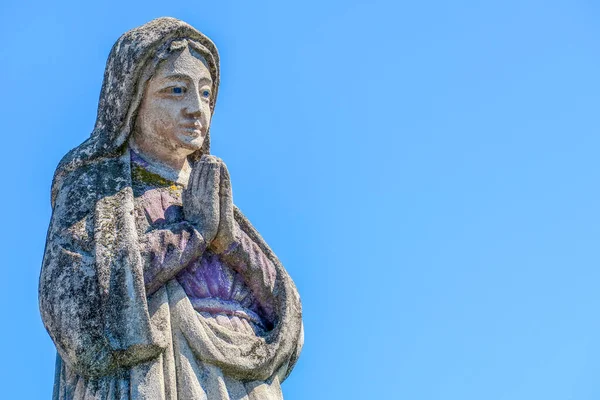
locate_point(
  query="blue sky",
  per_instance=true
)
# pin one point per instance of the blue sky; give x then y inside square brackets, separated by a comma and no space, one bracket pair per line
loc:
[427,171]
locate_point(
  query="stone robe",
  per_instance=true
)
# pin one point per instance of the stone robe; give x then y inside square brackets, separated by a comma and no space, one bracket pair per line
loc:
[115,342]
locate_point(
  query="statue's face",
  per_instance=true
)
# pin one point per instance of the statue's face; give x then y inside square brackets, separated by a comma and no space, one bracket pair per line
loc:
[175,110]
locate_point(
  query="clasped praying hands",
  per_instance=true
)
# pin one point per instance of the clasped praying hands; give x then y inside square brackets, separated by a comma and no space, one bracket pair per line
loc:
[208,203]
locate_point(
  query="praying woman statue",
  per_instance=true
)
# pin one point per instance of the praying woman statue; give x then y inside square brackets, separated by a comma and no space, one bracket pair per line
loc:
[153,284]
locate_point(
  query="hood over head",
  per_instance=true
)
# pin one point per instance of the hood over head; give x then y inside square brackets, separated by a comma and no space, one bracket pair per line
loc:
[132,61]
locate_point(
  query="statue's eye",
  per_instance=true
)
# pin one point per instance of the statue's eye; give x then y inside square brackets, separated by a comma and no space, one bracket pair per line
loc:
[206,93]
[178,90]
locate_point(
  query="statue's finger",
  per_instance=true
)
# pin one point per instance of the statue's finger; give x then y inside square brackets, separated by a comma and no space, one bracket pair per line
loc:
[209,158]
[225,181]
[209,180]
[193,179]
[226,223]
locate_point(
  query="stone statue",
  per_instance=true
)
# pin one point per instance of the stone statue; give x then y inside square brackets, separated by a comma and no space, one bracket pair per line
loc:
[153,284]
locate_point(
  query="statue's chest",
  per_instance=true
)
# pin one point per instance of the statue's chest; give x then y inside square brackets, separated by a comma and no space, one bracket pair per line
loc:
[215,290]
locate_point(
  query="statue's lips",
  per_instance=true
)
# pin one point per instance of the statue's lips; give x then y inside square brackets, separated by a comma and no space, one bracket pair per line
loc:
[195,128]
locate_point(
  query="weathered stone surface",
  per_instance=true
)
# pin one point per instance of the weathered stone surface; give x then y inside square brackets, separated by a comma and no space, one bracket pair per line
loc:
[153,284]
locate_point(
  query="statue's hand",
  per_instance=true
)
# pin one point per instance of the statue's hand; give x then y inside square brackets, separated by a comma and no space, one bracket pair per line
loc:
[227,227]
[201,197]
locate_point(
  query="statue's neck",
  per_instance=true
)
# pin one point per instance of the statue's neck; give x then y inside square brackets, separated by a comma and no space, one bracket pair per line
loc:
[174,170]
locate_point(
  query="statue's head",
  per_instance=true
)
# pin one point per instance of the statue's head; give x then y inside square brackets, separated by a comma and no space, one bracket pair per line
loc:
[139,62]
[174,112]
[131,99]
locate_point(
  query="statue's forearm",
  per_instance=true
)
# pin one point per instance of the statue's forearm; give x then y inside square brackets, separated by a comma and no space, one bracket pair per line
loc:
[247,258]
[168,251]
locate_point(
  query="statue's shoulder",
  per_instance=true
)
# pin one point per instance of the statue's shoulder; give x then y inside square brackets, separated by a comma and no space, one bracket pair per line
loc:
[100,177]
[75,192]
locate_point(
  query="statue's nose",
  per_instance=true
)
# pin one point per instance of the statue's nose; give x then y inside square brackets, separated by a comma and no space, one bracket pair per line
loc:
[193,105]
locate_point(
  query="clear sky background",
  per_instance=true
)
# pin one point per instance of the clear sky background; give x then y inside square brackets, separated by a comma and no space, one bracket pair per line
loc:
[427,171]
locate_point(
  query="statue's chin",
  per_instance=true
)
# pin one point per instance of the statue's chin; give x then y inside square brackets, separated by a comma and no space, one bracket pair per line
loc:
[191,139]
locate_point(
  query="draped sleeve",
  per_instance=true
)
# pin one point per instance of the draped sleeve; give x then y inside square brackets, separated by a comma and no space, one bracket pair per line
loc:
[92,297]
